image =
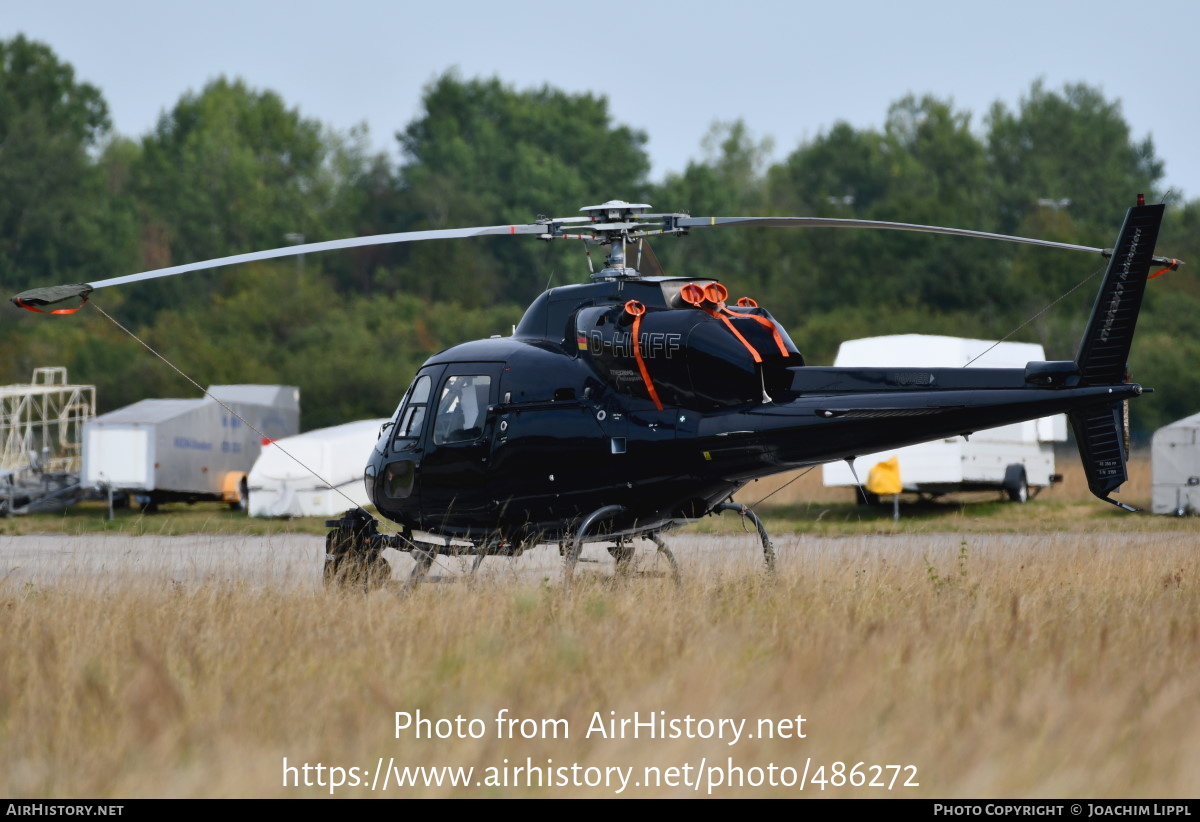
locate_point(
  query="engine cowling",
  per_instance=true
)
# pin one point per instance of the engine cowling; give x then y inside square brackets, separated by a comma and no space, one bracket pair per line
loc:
[695,353]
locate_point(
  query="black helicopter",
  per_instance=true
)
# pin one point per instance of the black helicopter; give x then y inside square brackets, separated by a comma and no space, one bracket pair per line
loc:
[627,405]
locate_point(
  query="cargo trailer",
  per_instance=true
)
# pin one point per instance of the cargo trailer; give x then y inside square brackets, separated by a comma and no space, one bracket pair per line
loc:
[167,450]
[1175,468]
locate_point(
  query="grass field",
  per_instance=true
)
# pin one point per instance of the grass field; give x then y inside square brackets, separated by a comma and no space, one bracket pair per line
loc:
[1046,650]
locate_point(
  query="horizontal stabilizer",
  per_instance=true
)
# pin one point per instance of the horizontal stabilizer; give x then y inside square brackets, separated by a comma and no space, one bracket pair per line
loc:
[1100,434]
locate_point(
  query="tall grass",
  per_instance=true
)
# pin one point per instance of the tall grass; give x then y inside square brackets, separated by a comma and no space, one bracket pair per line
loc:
[999,665]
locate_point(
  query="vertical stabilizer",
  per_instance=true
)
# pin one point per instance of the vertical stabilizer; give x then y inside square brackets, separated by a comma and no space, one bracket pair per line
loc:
[1104,351]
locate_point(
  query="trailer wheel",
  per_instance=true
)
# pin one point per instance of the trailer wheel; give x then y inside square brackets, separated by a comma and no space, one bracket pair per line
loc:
[1015,483]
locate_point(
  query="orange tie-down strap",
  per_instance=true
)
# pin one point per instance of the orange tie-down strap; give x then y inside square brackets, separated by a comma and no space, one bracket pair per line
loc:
[716,313]
[715,294]
[763,321]
[636,310]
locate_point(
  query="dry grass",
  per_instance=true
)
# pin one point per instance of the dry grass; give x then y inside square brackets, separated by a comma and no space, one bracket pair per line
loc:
[174,519]
[797,502]
[1001,666]
[804,487]
[1045,650]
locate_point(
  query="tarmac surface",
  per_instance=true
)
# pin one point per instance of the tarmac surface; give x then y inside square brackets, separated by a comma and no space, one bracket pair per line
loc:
[295,561]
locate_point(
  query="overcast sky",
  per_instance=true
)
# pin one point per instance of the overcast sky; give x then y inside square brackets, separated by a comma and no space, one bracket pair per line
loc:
[789,69]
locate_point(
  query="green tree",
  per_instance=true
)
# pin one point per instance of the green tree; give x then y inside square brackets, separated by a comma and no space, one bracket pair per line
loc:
[939,176]
[352,358]
[844,166]
[924,166]
[55,221]
[363,202]
[1072,148]
[730,180]
[1064,167]
[1167,347]
[230,170]
[484,153]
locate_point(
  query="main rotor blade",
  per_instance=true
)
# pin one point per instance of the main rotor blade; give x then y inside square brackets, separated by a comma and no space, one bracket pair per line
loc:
[45,296]
[837,222]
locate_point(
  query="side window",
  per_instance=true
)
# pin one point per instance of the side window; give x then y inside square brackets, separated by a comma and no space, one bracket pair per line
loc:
[411,413]
[462,409]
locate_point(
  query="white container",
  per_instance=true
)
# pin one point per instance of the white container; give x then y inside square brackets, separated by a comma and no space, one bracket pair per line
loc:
[165,450]
[281,486]
[1175,467]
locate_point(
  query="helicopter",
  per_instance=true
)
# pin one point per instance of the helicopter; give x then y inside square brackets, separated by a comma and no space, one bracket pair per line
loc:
[627,405]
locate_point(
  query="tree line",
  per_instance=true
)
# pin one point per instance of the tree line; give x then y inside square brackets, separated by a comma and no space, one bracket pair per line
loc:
[231,168]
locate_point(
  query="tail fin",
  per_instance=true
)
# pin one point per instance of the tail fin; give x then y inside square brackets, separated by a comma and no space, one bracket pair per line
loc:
[1104,351]
[1100,434]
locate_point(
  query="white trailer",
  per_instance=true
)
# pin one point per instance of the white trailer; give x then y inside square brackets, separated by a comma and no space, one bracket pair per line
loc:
[1012,458]
[186,450]
[1175,468]
[281,486]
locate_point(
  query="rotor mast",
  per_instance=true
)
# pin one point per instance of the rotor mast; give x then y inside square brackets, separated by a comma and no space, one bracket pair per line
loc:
[616,225]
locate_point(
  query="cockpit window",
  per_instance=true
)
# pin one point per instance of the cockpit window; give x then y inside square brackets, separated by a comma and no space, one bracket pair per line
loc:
[462,409]
[411,412]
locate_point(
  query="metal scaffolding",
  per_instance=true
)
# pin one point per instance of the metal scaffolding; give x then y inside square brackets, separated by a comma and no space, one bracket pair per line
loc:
[41,423]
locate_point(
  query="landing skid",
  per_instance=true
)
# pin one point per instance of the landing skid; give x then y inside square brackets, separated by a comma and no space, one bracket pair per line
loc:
[354,548]
[622,551]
